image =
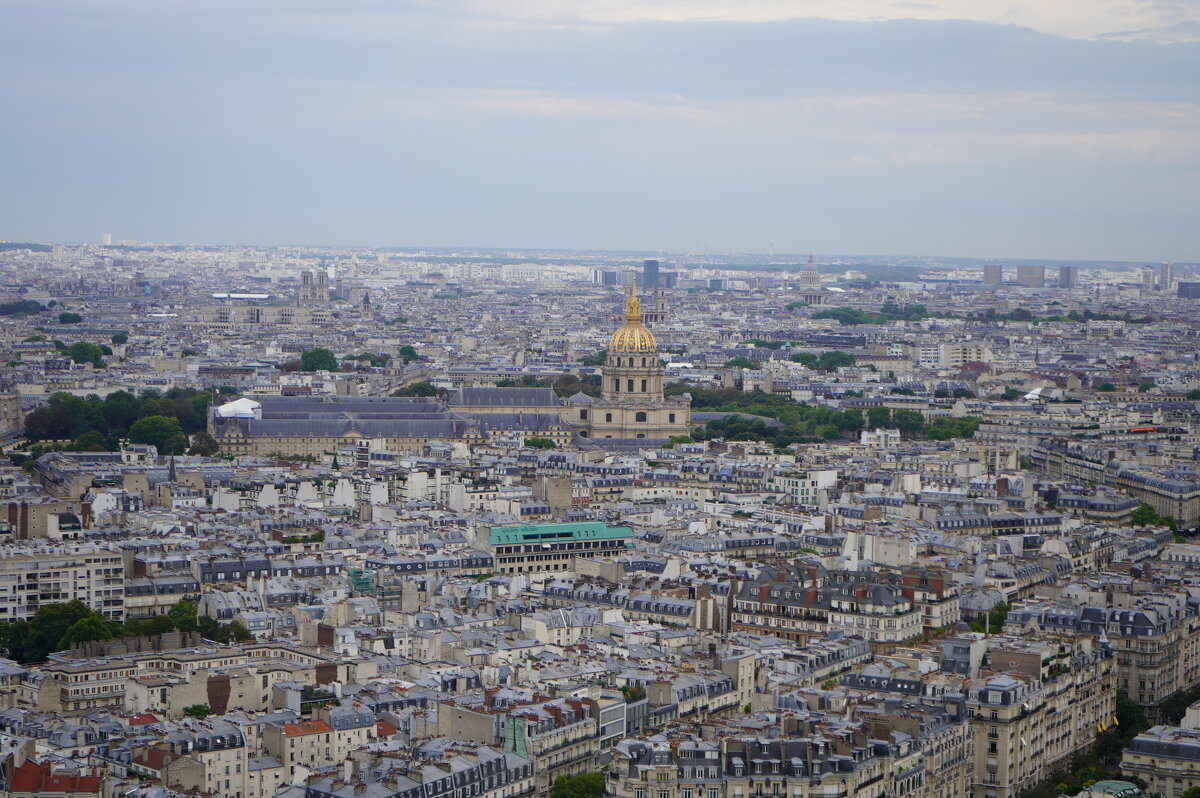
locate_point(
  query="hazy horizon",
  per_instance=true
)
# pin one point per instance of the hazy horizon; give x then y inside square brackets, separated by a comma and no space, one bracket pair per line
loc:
[1065,133]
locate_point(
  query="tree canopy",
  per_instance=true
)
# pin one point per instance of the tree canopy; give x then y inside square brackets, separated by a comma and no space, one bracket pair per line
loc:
[23,307]
[805,423]
[52,628]
[591,361]
[740,362]
[68,416]
[1145,515]
[162,432]
[84,352]
[582,785]
[826,361]
[889,311]
[318,359]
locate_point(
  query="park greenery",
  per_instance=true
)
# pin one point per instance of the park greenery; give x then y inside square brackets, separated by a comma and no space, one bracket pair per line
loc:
[891,311]
[91,424]
[826,361]
[741,362]
[84,352]
[888,312]
[318,359]
[22,307]
[60,625]
[540,443]
[807,424]
[69,318]
[1024,314]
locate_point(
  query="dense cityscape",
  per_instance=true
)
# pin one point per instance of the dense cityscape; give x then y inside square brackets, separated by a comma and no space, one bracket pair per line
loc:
[300,522]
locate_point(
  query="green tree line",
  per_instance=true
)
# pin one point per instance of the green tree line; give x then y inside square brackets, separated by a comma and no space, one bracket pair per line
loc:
[807,424]
[888,312]
[94,424]
[58,626]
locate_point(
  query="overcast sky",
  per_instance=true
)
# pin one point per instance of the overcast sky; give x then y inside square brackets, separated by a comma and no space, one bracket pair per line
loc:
[1047,128]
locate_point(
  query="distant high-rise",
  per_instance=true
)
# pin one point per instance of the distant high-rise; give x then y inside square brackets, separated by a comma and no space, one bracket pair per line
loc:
[668,279]
[993,274]
[650,275]
[1147,279]
[1166,276]
[1068,276]
[1031,276]
[106,239]
[604,277]
[1188,290]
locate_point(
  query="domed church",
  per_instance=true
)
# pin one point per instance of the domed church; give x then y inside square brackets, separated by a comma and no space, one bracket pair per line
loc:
[631,404]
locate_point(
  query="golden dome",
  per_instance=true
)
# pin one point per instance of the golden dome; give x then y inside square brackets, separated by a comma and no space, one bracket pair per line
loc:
[632,336]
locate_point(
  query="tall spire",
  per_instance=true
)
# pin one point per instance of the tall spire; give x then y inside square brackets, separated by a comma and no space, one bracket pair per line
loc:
[633,307]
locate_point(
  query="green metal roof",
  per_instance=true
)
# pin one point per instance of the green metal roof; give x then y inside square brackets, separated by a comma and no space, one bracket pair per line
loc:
[549,533]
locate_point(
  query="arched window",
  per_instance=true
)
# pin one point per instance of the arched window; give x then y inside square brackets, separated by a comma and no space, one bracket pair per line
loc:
[643,386]
[617,384]
[641,434]
[631,386]
[643,362]
[640,417]
[618,361]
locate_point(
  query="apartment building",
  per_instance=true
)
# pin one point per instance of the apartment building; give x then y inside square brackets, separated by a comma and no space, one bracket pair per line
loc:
[1154,636]
[1167,758]
[450,769]
[799,601]
[811,755]
[311,743]
[560,736]
[29,581]
[952,355]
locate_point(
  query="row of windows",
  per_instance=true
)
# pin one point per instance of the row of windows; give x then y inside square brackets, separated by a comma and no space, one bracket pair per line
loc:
[639,417]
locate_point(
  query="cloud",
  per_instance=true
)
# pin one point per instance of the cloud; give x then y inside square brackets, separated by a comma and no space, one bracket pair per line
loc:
[1071,18]
[622,124]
